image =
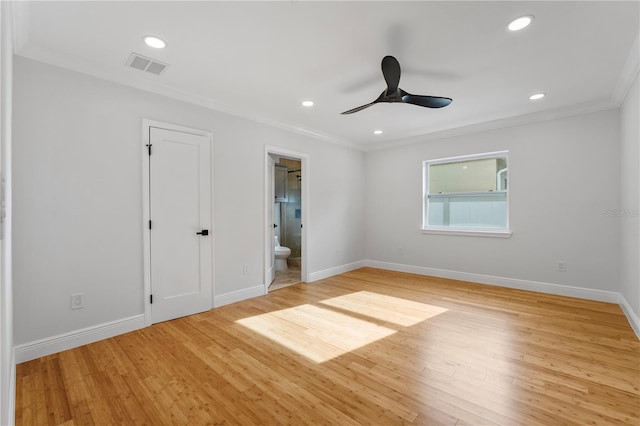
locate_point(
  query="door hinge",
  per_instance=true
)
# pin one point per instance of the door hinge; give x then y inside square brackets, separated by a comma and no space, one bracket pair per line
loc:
[149,148]
[151,299]
[149,223]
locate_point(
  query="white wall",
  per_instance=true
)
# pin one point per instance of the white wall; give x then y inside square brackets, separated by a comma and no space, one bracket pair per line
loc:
[78,203]
[563,176]
[629,201]
[7,362]
[78,200]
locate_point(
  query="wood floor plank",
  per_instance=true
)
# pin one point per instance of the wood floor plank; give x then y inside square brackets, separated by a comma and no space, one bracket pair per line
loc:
[365,347]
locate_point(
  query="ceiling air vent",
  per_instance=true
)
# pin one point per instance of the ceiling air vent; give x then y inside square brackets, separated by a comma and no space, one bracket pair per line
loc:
[143,63]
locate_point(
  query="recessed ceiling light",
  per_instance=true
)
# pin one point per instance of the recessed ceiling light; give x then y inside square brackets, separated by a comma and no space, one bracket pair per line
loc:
[154,42]
[307,104]
[536,96]
[377,132]
[520,23]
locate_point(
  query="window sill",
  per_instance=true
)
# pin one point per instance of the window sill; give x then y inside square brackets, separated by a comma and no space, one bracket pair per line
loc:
[497,233]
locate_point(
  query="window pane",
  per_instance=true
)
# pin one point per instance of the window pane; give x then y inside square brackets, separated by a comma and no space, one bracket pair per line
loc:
[469,192]
[487,211]
[436,212]
[468,176]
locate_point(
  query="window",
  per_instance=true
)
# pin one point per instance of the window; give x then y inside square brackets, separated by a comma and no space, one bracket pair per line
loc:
[467,195]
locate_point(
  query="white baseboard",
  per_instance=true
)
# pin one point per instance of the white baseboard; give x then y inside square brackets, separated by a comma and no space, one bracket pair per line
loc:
[240,295]
[32,350]
[631,316]
[558,289]
[326,273]
[62,342]
[237,296]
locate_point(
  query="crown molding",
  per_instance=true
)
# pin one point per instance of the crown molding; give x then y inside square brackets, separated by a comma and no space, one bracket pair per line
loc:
[128,77]
[628,74]
[518,120]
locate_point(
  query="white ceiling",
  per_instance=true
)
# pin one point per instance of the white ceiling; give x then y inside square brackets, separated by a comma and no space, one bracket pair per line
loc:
[260,59]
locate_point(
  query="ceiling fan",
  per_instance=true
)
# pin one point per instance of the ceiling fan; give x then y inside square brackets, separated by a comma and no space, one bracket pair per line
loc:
[391,73]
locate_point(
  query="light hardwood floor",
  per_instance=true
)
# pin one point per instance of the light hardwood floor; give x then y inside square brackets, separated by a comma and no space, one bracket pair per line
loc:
[366,347]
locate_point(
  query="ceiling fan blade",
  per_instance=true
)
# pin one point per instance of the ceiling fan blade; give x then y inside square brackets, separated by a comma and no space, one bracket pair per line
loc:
[425,101]
[391,73]
[360,108]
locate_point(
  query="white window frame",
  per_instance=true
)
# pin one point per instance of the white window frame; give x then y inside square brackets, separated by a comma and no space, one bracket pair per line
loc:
[446,230]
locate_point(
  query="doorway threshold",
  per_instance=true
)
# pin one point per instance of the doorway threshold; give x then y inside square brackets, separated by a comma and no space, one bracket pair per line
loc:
[286,278]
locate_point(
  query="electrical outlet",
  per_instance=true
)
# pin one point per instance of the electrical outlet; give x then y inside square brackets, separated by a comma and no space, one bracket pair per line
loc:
[562,266]
[401,251]
[76,301]
[245,270]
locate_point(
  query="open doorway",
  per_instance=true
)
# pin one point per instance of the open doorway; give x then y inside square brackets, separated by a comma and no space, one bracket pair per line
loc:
[285,218]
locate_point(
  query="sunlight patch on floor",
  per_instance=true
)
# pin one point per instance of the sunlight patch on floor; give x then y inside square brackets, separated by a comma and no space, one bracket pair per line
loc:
[386,308]
[317,333]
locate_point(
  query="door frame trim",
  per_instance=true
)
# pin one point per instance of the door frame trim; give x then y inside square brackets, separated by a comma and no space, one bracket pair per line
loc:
[147,124]
[304,194]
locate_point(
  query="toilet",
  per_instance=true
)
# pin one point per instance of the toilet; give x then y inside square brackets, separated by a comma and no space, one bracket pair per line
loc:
[282,253]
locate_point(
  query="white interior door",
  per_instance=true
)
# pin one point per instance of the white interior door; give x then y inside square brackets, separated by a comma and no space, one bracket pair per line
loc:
[270,270]
[180,224]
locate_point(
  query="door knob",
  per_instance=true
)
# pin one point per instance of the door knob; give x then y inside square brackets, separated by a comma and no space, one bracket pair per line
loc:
[203,232]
